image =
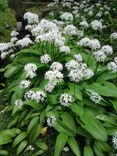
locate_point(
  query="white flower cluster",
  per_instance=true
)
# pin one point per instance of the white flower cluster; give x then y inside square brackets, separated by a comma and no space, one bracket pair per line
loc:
[78,57]
[31,18]
[113,36]
[95,97]
[56,66]
[94,44]
[14,33]
[84,24]
[113,65]
[66,16]
[78,71]
[19,103]
[114,140]
[66,99]
[45,59]
[101,55]
[96,25]
[70,30]
[64,49]
[51,121]
[25,42]
[24,84]
[54,75]
[38,96]
[30,70]
[6,49]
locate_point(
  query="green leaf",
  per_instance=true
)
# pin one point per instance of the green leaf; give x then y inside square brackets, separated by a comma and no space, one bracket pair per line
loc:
[19,138]
[32,124]
[74,90]
[74,146]
[98,151]
[107,75]
[5,139]
[4,152]
[114,102]
[60,143]
[109,90]
[103,146]
[107,119]
[69,121]
[10,71]
[88,151]
[41,145]
[21,147]
[90,123]
[39,152]
[32,104]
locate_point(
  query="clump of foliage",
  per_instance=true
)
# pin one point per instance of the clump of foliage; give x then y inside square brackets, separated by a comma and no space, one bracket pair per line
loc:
[7,24]
[3,5]
[63,87]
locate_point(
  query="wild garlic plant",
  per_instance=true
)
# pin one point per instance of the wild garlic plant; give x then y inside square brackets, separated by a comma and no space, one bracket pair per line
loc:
[62,80]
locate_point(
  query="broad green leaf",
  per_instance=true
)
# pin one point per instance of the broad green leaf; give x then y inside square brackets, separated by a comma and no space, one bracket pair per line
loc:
[19,138]
[41,145]
[11,132]
[32,124]
[32,104]
[90,123]
[107,75]
[104,90]
[10,71]
[106,118]
[103,146]
[60,143]
[39,152]
[88,151]
[98,151]
[69,121]
[74,90]
[21,147]
[114,102]
[4,139]
[4,152]
[74,146]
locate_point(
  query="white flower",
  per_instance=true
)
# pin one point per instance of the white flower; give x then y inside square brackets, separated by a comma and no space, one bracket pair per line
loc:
[55,75]
[95,97]
[107,49]
[66,100]
[70,30]
[114,140]
[19,103]
[38,96]
[45,59]
[50,86]
[88,73]
[113,36]
[67,16]
[25,42]
[76,75]
[4,55]
[56,66]
[6,46]
[71,65]
[31,18]
[24,84]
[84,42]
[65,49]
[96,25]
[13,39]
[14,33]
[66,149]
[95,44]
[112,66]
[84,24]
[99,55]
[78,57]
[51,121]
[30,69]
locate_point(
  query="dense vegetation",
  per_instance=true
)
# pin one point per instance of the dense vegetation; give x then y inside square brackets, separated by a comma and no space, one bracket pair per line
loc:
[60,90]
